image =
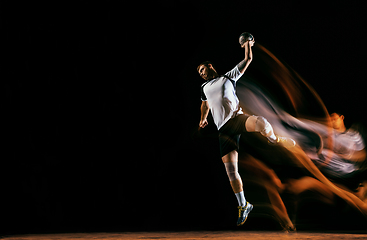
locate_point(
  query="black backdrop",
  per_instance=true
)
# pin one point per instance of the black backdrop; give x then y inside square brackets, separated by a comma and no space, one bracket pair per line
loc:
[100,102]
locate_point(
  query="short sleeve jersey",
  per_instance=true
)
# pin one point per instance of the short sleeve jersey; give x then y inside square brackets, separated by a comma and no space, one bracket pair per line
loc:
[221,95]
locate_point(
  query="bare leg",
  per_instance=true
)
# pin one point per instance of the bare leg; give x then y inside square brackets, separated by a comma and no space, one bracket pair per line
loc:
[267,178]
[230,161]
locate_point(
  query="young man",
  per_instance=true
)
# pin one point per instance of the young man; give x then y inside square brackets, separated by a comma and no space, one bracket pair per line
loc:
[218,95]
[343,162]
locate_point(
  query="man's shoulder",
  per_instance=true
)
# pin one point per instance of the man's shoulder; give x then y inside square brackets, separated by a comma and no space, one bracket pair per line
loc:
[227,77]
[205,83]
[234,74]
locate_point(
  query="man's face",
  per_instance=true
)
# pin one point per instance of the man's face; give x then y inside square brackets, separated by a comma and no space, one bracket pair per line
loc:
[337,121]
[204,72]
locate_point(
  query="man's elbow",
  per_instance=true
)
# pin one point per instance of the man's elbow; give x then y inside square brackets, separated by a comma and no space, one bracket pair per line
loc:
[245,65]
[205,105]
[249,60]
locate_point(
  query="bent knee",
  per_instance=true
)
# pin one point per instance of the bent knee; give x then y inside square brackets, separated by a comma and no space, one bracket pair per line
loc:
[258,124]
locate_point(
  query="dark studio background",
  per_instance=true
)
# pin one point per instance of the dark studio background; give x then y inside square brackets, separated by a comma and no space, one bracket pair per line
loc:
[100,104]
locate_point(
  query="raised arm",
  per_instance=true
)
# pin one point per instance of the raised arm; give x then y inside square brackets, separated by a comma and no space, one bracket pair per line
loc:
[242,66]
[204,114]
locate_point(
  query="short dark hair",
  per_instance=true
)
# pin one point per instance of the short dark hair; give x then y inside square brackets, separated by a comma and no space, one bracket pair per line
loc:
[206,63]
[336,112]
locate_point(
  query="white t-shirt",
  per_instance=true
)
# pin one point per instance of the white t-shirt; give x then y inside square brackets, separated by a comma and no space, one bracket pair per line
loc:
[220,93]
[339,159]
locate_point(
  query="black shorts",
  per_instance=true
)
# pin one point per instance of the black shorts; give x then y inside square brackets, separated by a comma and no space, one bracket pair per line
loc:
[230,133]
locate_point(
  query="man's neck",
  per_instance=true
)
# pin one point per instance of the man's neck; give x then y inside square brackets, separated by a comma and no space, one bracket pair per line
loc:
[214,75]
[341,129]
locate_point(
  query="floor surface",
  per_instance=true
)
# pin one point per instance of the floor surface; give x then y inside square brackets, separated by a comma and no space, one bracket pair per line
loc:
[232,235]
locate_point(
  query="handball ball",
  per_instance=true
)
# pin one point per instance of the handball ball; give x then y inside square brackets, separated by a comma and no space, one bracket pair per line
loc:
[245,37]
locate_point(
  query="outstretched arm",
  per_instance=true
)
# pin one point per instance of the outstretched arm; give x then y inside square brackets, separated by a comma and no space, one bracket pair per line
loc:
[242,66]
[204,114]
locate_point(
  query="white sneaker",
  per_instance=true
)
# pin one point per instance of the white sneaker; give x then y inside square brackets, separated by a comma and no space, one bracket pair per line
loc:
[285,142]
